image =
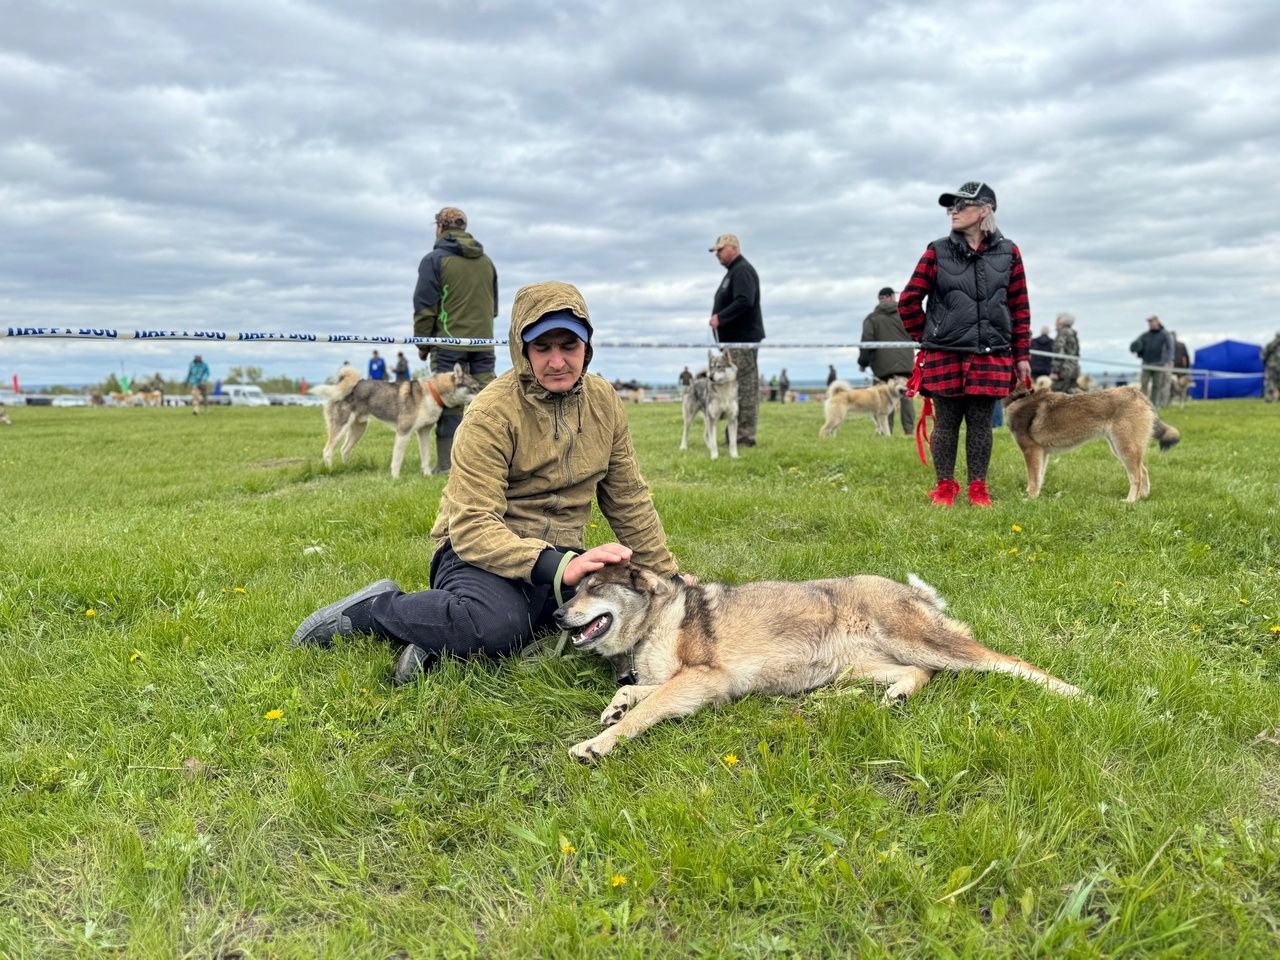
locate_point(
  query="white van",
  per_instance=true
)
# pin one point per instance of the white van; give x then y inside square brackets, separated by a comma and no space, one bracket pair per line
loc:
[245,395]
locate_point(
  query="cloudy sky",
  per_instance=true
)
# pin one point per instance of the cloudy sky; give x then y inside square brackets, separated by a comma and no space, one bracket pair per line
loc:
[274,166]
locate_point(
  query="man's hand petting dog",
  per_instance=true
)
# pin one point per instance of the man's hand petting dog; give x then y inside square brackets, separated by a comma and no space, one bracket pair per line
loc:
[597,558]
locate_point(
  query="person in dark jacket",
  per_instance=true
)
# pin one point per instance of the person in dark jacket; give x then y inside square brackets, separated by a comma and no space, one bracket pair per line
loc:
[974,338]
[884,324]
[832,376]
[1041,365]
[456,296]
[736,318]
[402,368]
[1155,349]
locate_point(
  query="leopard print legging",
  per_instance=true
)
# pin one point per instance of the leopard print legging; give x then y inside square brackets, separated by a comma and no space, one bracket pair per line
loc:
[976,412]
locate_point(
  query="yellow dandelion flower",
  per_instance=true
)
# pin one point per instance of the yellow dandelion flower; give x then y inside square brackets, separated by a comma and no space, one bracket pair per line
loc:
[135,656]
[1016,529]
[275,714]
[1245,601]
[568,848]
[240,590]
[1013,550]
[1195,628]
[91,612]
[617,880]
[1276,628]
[730,759]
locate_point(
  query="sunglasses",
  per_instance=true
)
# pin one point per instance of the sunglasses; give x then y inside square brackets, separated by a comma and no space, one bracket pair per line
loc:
[963,205]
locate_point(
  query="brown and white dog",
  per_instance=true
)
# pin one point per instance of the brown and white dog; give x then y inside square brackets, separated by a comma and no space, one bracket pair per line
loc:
[410,407]
[1043,422]
[879,401]
[691,646]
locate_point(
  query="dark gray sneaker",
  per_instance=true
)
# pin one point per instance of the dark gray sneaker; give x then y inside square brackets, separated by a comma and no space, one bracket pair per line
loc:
[319,629]
[411,664]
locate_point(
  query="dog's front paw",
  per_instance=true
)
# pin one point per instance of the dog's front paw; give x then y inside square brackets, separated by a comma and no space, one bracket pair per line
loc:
[589,751]
[612,714]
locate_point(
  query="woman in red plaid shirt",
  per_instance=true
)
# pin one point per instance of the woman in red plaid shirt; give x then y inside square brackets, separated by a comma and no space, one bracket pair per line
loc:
[974,335]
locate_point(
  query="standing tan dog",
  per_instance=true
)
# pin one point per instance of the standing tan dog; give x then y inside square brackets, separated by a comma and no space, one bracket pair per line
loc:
[1043,422]
[880,401]
[690,646]
[411,407]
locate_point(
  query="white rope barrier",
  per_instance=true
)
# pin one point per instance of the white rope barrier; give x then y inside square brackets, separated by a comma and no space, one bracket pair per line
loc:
[219,336]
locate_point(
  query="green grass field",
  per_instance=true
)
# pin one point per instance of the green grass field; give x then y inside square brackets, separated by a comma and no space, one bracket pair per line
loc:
[175,781]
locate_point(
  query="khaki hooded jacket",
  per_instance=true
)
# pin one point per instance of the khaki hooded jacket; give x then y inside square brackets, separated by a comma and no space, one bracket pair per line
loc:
[527,464]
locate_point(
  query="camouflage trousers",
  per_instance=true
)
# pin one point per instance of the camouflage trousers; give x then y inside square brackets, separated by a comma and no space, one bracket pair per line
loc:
[1155,384]
[744,358]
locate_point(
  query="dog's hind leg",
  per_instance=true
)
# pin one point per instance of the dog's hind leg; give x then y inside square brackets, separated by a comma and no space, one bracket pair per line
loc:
[356,427]
[687,692]
[684,434]
[950,646]
[903,682]
[1131,459]
[336,431]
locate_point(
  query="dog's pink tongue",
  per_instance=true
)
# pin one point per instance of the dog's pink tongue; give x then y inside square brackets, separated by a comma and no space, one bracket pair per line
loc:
[593,628]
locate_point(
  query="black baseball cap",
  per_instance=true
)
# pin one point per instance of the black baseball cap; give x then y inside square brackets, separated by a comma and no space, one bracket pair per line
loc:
[885,292]
[974,190]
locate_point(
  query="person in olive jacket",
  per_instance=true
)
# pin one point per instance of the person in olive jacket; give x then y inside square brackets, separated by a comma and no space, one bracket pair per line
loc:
[883,325]
[536,447]
[456,296]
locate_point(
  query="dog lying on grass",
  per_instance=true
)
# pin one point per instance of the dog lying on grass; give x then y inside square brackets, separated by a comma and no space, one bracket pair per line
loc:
[690,646]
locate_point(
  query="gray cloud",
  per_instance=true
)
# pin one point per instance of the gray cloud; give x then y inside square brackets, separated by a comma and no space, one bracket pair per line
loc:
[274,166]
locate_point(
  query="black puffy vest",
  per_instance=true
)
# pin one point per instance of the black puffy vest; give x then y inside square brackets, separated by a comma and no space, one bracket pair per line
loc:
[968,310]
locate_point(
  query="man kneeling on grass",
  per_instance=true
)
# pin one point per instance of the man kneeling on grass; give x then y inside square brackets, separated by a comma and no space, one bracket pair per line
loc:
[535,448]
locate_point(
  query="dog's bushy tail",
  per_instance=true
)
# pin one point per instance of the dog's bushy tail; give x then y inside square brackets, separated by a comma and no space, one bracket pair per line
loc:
[1165,435]
[837,386]
[348,377]
[926,592]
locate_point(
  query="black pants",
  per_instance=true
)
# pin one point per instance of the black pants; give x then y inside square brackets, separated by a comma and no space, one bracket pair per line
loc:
[479,363]
[976,413]
[467,612]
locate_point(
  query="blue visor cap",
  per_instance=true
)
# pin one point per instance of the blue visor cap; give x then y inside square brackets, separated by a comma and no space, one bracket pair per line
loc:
[557,320]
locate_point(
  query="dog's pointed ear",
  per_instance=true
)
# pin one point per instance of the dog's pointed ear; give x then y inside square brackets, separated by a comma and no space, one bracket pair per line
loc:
[457,369]
[643,580]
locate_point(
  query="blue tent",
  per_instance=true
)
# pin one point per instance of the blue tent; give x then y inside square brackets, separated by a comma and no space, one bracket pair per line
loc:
[1229,356]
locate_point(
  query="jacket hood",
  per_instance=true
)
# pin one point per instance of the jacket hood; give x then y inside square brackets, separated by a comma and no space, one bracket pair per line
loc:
[460,243]
[534,302]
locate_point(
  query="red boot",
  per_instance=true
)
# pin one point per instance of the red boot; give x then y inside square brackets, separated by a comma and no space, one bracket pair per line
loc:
[978,495]
[944,494]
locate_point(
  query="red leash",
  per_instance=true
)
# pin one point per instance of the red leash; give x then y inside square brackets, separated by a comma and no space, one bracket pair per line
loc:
[926,409]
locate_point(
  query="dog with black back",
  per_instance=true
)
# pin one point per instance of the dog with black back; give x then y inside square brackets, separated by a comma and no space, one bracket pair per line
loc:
[713,394]
[410,407]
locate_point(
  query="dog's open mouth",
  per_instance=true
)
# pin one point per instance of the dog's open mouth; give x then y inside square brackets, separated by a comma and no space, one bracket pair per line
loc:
[592,630]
